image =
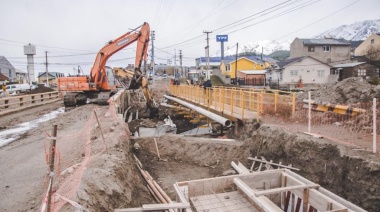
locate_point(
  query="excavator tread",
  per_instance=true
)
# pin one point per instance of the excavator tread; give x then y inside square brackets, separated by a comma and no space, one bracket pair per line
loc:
[103,98]
[69,100]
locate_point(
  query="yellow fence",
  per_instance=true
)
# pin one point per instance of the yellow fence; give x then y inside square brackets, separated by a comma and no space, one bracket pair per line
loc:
[238,100]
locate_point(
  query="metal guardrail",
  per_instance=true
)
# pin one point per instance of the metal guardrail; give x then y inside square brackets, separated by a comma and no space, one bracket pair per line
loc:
[16,103]
[237,99]
[339,109]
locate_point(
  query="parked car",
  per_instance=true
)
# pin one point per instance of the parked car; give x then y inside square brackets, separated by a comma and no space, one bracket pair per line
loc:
[18,88]
[164,76]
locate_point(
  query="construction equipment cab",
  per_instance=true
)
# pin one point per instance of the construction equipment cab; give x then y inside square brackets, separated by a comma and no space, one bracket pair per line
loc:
[100,84]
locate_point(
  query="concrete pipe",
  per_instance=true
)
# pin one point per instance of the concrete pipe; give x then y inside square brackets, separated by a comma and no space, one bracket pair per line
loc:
[213,116]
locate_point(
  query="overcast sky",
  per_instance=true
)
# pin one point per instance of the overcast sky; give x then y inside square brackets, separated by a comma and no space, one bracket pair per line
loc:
[82,27]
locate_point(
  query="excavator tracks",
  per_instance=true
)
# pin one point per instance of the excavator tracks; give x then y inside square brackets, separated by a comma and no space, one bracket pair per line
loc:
[103,98]
[75,98]
[69,100]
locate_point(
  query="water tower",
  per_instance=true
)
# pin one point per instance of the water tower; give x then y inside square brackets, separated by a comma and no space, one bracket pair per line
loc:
[30,51]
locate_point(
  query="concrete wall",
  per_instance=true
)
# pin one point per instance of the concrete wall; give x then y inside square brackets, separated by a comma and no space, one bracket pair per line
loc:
[222,77]
[368,48]
[337,55]
[307,70]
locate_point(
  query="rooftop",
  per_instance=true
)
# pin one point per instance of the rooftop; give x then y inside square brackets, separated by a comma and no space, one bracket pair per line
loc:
[348,65]
[336,42]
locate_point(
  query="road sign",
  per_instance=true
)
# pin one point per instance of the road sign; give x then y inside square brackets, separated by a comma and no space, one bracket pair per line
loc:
[221,38]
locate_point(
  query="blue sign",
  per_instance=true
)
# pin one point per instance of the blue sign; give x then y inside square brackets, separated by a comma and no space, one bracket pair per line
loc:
[221,38]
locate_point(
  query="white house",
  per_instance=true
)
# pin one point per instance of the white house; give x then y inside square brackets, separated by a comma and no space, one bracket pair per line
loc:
[306,72]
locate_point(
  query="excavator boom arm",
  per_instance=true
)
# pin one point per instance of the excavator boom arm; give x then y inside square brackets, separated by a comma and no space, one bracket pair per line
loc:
[141,36]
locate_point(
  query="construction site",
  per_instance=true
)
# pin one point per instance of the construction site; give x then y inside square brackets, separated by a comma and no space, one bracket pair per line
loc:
[122,140]
[253,155]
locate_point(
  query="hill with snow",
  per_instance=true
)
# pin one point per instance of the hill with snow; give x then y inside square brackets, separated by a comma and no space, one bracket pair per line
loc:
[356,31]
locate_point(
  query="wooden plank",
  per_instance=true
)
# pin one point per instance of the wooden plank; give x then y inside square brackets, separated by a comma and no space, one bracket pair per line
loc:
[324,195]
[279,165]
[153,207]
[6,111]
[263,202]
[253,164]
[243,168]
[289,188]
[267,177]
[129,210]
[30,95]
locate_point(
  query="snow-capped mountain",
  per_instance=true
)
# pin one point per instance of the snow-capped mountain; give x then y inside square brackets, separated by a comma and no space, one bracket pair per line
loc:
[356,31]
[267,46]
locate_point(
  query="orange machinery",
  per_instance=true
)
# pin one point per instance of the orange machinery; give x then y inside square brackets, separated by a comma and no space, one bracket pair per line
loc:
[100,83]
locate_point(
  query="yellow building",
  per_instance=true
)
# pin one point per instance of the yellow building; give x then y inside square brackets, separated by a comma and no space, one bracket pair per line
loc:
[228,67]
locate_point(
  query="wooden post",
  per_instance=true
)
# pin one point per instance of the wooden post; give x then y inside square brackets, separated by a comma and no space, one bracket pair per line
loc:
[374,126]
[305,199]
[232,102]
[293,103]
[242,104]
[224,97]
[250,99]
[275,100]
[158,153]
[309,114]
[53,141]
[261,101]
[101,131]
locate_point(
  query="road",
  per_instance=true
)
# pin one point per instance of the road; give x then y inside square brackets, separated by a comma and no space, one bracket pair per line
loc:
[23,165]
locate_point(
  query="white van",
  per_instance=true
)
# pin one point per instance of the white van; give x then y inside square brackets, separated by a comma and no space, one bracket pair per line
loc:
[18,88]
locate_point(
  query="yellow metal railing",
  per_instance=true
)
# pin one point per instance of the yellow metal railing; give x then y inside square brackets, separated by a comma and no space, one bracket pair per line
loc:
[232,100]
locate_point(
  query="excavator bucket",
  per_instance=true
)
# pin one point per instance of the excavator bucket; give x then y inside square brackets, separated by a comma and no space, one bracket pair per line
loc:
[134,84]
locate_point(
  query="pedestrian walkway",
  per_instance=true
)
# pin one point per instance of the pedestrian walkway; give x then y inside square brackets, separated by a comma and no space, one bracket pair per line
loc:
[241,103]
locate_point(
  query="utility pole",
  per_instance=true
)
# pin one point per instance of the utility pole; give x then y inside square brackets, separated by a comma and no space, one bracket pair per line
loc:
[175,63]
[236,58]
[207,52]
[180,61]
[153,38]
[47,71]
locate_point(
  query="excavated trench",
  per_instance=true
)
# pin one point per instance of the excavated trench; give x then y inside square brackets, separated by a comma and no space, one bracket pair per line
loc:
[113,180]
[339,169]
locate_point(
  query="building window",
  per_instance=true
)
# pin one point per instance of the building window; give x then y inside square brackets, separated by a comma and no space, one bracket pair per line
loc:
[372,41]
[311,48]
[321,73]
[328,60]
[228,68]
[281,75]
[326,48]
[262,65]
[10,73]
[293,72]
[362,72]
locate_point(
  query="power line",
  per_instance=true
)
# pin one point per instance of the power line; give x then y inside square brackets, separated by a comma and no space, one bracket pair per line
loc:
[297,7]
[268,9]
[331,14]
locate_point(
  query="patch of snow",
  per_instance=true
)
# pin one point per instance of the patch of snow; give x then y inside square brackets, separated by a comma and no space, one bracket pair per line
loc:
[356,31]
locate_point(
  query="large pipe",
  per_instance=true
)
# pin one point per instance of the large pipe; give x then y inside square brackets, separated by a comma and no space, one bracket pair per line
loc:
[213,116]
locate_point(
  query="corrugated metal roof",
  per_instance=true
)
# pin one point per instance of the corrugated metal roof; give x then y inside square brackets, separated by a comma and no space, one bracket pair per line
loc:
[286,62]
[252,72]
[348,65]
[333,42]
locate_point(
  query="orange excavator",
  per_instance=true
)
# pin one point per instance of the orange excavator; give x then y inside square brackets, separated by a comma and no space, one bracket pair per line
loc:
[100,84]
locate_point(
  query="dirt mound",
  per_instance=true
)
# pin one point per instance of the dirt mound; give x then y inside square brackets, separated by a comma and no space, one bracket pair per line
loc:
[42,89]
[349,91]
